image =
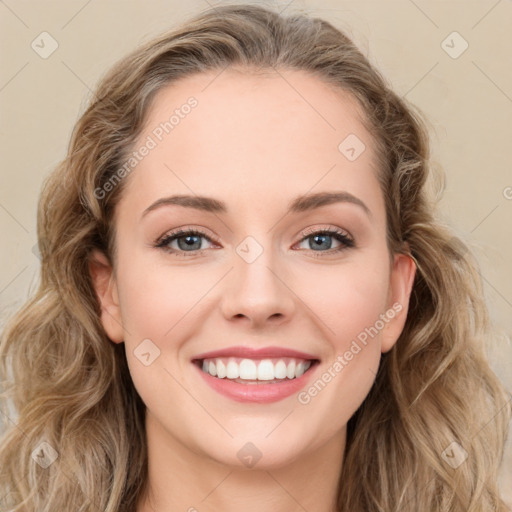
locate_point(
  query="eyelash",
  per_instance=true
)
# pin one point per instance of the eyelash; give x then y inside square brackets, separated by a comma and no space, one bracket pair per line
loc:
[340,236]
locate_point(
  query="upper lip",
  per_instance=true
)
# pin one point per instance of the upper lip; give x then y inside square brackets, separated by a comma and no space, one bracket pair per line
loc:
[255,353]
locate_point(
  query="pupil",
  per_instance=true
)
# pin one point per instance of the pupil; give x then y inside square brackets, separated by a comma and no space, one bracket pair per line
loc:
[317,237]
[189,240]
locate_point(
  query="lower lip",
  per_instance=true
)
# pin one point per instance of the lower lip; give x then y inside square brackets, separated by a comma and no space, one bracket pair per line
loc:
[257,393]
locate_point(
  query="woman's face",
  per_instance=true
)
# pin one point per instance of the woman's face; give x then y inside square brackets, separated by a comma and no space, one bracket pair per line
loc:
[280,159]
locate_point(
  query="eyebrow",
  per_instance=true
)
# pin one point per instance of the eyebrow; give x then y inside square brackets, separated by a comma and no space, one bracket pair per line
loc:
[299,204]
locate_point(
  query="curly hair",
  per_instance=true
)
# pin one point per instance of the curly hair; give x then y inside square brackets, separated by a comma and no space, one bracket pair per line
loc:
[71,387]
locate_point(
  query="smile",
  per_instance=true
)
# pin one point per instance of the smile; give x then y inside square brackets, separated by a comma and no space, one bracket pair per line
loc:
[253,371]
[259,375]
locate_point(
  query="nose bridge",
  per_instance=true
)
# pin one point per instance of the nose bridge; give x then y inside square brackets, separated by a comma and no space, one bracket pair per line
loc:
[256,289]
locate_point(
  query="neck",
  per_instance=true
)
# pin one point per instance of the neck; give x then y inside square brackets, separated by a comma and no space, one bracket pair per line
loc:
[181,479]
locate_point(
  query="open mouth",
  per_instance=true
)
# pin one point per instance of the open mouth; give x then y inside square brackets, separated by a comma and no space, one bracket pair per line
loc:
[256,371]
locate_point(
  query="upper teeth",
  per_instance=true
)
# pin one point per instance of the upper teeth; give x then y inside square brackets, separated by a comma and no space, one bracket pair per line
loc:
[249,369]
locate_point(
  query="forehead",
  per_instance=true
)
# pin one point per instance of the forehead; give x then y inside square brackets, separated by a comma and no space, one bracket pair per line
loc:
[231,131]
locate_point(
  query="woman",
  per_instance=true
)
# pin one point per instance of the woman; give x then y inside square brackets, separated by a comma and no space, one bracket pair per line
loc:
[193,346]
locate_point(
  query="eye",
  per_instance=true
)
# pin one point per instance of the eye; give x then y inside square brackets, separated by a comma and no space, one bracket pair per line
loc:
[188,241]
[321,239]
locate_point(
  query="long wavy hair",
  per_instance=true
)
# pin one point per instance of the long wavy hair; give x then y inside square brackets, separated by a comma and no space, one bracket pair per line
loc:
[69,386]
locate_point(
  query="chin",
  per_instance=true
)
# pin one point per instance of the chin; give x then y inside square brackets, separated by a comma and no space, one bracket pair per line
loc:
[257,452]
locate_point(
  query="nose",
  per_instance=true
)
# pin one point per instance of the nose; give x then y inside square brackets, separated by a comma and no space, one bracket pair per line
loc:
[257,293]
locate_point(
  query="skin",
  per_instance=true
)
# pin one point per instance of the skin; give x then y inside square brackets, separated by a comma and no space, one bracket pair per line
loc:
[255,143]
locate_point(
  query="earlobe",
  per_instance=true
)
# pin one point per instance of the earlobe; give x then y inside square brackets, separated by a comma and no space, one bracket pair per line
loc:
[105,286]
[400,288]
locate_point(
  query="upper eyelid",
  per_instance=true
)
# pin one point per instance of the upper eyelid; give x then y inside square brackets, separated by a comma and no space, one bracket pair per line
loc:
[183,231]
[333,230]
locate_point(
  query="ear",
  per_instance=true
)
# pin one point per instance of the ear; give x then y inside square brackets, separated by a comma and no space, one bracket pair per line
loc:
[105,285]
[400,288]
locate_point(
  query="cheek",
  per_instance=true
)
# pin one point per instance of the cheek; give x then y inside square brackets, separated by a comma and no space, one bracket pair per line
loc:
[350,306]
[348,299]
[157,313]
[155,299]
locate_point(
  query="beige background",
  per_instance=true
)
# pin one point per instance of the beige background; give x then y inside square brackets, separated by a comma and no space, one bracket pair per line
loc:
[467,99]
